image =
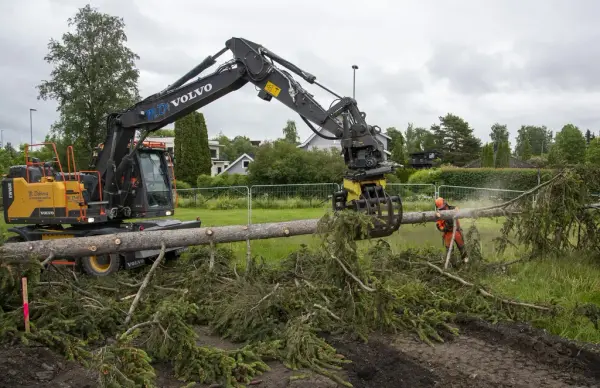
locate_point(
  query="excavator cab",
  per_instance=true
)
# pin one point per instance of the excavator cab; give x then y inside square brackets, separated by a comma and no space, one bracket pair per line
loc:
[151,183]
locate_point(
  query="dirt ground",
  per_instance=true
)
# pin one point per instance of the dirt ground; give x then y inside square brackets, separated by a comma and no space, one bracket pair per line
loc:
[483,356]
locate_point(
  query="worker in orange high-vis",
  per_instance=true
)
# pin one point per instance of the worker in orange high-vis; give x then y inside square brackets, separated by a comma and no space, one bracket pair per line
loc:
[446,226]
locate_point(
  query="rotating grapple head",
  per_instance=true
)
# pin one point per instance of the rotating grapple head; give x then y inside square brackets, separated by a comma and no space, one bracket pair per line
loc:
[370,197]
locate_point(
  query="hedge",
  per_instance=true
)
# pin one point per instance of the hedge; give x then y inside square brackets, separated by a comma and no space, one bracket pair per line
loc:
[498,178]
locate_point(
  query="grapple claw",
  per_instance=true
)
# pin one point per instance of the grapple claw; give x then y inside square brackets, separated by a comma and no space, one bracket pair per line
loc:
[372,199]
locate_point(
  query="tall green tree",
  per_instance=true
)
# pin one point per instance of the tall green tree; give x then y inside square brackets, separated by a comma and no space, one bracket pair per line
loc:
[540,140]
[290,133]
[455,139]
[428,140]
[192,153]
[498,134]
[571,144]
[281,162]
[592,153]
[396,145]
[589,136]
[418,139]
[526,150]
[236,147]
[555,157]
[503,155]
[93,74]
[487,155]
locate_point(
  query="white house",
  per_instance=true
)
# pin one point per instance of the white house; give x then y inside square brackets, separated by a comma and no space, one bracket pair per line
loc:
[218,165]
[240,165]
[315,141]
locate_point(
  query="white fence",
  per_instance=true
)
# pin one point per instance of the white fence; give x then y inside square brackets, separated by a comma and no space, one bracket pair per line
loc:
[415,197]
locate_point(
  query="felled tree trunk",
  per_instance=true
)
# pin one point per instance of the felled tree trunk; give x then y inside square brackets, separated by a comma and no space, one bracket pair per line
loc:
[135,241]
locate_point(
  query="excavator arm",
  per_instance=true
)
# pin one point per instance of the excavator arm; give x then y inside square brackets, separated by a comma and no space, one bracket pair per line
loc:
[364,180]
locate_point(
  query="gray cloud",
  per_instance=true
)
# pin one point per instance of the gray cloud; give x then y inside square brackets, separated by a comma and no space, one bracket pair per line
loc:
[495,61]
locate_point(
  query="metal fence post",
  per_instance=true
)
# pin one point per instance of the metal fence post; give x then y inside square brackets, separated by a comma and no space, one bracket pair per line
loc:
[249,205]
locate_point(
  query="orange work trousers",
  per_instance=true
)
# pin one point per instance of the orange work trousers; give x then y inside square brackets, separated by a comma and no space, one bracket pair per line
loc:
[458,239]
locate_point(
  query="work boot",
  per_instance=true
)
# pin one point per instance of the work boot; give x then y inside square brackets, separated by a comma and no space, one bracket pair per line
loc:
[464,255]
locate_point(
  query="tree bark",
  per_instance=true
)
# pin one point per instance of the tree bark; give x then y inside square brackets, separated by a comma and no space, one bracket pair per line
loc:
[130,241]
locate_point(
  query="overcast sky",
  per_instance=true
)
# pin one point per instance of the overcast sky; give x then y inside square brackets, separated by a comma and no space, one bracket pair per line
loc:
[514,62]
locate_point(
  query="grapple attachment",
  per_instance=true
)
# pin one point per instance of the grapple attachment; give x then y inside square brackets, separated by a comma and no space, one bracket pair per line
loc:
[370,197]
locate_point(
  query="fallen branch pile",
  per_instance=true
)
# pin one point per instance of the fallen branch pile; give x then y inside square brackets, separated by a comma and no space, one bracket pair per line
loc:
[121,325]
[559,216]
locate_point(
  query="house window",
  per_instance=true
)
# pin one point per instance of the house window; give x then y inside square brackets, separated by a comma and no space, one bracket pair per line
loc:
[213,153]
[218,170]
[246,163]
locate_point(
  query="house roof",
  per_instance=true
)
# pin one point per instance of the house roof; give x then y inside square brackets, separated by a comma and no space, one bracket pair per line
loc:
[239,160]
[312,136]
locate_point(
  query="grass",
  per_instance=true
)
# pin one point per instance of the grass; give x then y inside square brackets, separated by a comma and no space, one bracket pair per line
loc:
[568,281]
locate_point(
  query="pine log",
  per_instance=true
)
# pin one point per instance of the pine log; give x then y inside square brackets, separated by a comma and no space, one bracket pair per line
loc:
[135,241]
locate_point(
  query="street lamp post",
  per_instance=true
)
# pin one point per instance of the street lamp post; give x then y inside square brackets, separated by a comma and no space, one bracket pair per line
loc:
[31,124]
[354,67]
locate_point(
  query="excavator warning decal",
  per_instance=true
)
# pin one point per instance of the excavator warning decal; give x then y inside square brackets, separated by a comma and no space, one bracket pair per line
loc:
[273,89]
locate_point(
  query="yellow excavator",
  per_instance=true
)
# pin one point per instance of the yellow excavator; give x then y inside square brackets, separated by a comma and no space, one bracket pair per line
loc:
[129,180]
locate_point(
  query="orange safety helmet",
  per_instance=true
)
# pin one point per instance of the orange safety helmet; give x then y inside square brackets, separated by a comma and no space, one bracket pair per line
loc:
[440,203]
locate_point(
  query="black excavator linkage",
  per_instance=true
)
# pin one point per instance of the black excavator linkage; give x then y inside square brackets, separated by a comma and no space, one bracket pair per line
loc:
[252,63]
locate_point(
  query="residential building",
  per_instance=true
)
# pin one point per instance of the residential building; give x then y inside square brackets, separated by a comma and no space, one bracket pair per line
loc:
[315,141]
[218,164]
[424,159]
[240,165]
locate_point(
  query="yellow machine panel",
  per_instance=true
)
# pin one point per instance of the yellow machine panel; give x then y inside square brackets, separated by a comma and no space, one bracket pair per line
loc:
[43,202]
[355,188]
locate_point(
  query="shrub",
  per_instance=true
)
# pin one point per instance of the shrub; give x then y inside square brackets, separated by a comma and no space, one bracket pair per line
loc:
[222,180]
[181,185]
[404,173]
[428,176]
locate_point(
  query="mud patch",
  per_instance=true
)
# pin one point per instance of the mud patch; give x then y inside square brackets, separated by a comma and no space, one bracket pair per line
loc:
[29,366]
[548,349]
[376,364]
[502,356]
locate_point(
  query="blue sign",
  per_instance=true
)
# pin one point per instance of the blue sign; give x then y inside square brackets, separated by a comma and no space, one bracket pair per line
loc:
[158,111]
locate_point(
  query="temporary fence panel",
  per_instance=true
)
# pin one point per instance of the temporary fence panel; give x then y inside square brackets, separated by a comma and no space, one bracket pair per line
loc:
[292,196]
[215,198]
[415,197]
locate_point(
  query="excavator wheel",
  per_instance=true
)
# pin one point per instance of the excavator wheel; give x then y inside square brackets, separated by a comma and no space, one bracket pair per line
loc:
[101,265]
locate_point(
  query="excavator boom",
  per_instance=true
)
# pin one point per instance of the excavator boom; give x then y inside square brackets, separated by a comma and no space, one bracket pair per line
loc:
[364,180]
